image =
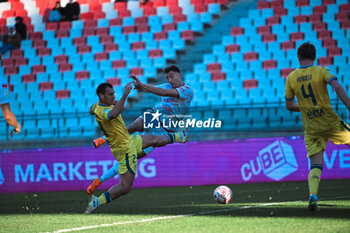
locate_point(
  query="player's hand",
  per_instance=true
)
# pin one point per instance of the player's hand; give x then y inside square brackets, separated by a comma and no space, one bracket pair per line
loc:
[17,129]
[127,89]
[137,82]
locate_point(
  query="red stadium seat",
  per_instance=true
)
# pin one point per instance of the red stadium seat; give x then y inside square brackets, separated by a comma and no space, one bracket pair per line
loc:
[250,83]
[35,35]
[95,7]
[287,45]
[8,13]
[269,64]
[128,29]
[117,64]
[187,35]
[171,3]
[277,4]
[286,71]
[319,26]
[36,69]
[106,39]
[175,10]
[264,30]
[273,20]
[114,81]
[330,43]
[319,10]
[297,36]
[136,71]
[334,52]
[223,2]
[141,20]
[20,61]
[323,35]
[267,38]
[213,67]
[139,45]
[179,18]
[11,70]
[7,62]
[111,47]
[78,41]
[329,2]
[124,13]
[102,31]
[342,16]
[17,53]
[232,48]
[200,8]
[39,43]
[45,86]
[87,15]
[160,36]
[344,7]
[345,24]
[236,31]
[61,59]
[99,15]
[28,78]
[84,49]
[80,75]
[148,11]
[263,5]
[169,27]
[65,25]
[88,32]
[142,28]
[325,61]
[155,53]
[250,56]
[281,11]
[116,22]
[301,3]
[120,5]
[90,23]
[299,19]
[62,33]
[43,52]
[52,26]
[158,3]
[315,18]
[218,76]
[64,67]
[62,94]
[101,56]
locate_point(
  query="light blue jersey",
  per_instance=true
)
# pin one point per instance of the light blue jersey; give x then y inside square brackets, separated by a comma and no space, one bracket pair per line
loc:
[4,92]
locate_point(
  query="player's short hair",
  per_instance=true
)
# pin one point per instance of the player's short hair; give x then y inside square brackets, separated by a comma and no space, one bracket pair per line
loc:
[172,68]
[307,51]
[102,88]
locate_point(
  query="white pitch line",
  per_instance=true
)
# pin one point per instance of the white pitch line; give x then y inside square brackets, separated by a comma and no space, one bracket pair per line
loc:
[183,215]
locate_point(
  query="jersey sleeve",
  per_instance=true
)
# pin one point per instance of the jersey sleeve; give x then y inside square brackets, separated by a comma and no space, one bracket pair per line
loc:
[4,92]
[327,76]
[102,112]
[289,93]
[185,92]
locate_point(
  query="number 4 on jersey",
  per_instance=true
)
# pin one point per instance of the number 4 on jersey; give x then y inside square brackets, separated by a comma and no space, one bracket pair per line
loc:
[310,95]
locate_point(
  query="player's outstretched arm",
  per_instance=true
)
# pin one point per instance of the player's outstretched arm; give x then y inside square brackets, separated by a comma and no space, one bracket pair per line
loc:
[292,106]
[118,107]
[10,117]
[155,90]
[341,93]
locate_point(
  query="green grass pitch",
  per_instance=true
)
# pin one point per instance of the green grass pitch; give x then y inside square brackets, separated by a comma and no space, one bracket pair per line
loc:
[262,207]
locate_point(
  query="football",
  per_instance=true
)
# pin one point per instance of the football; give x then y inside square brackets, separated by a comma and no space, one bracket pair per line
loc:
[223,194]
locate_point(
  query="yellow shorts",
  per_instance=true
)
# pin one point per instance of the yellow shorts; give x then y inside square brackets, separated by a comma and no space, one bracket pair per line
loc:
[128,160]
[316,142]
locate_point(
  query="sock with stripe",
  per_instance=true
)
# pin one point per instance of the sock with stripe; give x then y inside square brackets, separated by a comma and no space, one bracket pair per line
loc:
[104,199]
[112,172]
[315,178]
[174,137]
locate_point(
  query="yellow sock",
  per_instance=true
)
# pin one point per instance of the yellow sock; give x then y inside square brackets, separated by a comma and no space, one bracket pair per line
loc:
[315,178]
[104,198]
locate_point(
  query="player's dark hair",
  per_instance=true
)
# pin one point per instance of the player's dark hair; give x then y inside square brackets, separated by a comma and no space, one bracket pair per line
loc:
[172,68]
[307,51]
[102,88]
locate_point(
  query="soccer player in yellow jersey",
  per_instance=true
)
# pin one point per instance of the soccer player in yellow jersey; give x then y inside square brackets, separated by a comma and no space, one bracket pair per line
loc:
[124,147]
[320,123]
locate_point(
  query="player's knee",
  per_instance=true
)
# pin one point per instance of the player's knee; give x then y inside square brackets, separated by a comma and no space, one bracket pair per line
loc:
[126,190]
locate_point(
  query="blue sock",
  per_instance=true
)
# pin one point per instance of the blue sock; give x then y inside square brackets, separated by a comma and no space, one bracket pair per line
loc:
[112,172]
[148,150]
[171,137]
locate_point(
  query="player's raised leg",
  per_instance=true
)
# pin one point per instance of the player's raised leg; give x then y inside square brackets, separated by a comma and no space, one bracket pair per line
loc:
[315,178]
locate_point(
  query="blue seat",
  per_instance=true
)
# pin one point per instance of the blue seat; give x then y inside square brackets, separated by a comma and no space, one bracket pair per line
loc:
[204,77]
[227,40]
[162,11]
[255,65]
[196,26]
[75,57]
[115,55]
[124,46]
[52,67]
[219,50]
[266,13]
[42,77]
[75,32]
[153,20]
[52,43]
[102,23]
[150,72]
[156,28]
[167,18]
[136,12]
[179,44]
[205,17]
[287,20]
[133,37]
[111,14]
[70,51]
[48,60]
[214,8]
[26,69]
[129,54]
[315,2]
[147,36]
[115,30]
[159,62]
[306,10]
[78,24]
[151,45]
[209,58]
[107,64]
[70,75]
[48,35]
[305,27]
[132,63]
[142,54]
[58,85]
[182,26]
[208,87]
[169,53]
[93,40]
[173,35]
[123,72]
[97,48]
[146,62]
[78,66]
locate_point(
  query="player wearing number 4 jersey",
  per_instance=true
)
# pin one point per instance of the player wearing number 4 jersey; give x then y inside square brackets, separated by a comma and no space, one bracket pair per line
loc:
[320,123]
